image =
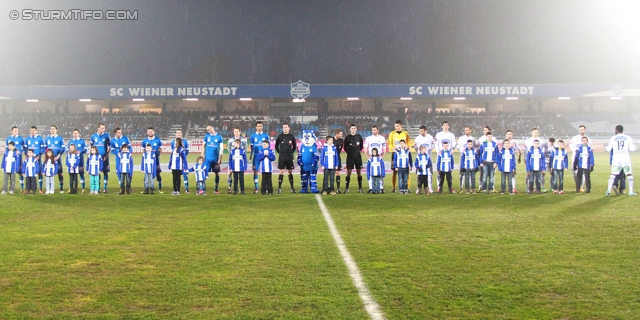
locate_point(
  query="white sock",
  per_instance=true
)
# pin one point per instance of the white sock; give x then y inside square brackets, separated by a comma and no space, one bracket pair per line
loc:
[610,184]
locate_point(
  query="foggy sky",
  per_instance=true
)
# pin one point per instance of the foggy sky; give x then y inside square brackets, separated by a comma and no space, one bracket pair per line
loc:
[408,41]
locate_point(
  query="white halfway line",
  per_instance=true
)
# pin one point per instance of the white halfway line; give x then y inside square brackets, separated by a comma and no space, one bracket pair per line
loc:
[372,307]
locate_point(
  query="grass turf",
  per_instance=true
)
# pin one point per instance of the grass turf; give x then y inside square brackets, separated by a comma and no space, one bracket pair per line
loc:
[571,256]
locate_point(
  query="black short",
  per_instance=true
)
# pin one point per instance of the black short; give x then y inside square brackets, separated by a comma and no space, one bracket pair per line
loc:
[212,166]
[354,161]
[285,163]
[106,167]
[60,171]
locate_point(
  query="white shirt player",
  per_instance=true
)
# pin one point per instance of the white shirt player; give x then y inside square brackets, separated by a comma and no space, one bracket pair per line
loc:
[426,141]
[515,146]
[444,136]
[375,141]
[481,140]
[529,143]
[462,142]
[621,144]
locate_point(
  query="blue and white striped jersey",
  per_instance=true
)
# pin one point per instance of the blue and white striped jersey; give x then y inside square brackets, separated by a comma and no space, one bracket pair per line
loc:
[469,158]
[73,162]
[50,168]
[31,167]
[265,160]
[238,160]
[584,158]
[149,163]
[507,160]
[402,158]
[94,164]
[11,161]
[178,160]
[126,162]
[422,164]
[329,157]
[489,151]
[375,168]
[559,159]
[535,160]
[201,171]
[445,161]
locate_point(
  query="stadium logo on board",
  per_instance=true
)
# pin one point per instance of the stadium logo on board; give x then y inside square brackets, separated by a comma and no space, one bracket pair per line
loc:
[617,90]
[300,90]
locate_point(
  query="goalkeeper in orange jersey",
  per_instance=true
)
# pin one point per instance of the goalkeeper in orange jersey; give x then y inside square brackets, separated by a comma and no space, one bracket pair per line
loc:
[394,142]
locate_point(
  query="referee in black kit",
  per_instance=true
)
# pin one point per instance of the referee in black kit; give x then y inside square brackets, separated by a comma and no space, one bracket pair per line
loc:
[353,145]
[285,147]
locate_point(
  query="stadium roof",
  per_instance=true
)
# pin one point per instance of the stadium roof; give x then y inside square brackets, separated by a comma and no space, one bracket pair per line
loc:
[304,90]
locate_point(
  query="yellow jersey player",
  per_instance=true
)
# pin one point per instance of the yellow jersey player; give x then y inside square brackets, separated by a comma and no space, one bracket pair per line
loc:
[394,142]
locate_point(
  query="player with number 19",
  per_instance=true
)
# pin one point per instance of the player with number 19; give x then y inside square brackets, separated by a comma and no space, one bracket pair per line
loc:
[621,144]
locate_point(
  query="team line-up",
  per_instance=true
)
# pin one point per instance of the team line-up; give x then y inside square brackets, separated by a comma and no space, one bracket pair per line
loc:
[37,157]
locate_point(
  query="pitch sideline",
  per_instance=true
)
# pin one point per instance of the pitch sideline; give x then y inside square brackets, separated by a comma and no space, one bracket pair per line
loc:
[370,305]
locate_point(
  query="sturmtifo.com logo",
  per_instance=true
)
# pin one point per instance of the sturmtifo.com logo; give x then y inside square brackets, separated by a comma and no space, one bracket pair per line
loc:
[73,14]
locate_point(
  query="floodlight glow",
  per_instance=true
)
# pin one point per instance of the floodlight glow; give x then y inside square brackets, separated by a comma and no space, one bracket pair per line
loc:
[85,100]
[191,99]
[406,98]
[353,98]
[138,99]
[245,99]
[512,98]
[298,100]
[564,98]
[32,100]
[459,98]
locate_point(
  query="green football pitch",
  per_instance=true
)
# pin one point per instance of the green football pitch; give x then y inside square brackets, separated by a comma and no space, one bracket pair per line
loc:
[457,256]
